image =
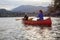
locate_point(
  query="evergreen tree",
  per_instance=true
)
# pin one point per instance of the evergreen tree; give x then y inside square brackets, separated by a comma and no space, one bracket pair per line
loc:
[57,4]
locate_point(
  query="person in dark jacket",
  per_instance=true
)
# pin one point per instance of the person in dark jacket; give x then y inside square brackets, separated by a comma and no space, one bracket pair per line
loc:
[25,17]
[40,15]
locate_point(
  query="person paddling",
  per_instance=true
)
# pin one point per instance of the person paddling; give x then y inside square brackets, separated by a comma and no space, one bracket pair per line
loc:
[25,17]
[40,15]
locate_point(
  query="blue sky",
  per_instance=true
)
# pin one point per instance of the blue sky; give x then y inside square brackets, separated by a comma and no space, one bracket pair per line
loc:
[10,4]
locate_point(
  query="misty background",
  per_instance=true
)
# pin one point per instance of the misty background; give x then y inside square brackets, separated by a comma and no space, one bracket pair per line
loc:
[18,8]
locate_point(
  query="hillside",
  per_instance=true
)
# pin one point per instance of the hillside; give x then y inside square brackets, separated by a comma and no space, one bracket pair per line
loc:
[29,8]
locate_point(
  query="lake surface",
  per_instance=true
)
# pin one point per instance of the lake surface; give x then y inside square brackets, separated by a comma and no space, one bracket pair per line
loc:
[11,29]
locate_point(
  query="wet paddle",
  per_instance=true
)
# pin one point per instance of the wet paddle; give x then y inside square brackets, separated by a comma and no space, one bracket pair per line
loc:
[18,19]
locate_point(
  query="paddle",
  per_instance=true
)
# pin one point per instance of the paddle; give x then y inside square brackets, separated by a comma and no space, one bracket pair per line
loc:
[18,19]
[21,19]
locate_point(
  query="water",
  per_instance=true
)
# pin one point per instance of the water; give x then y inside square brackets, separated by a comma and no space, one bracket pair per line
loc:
[11,29]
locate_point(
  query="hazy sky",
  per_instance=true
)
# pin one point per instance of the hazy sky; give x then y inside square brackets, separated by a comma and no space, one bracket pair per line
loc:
[10,4]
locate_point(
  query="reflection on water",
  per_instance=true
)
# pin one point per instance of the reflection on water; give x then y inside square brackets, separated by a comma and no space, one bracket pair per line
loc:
[10,29]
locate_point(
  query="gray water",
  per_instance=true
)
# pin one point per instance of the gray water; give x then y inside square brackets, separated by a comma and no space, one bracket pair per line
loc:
[11,29]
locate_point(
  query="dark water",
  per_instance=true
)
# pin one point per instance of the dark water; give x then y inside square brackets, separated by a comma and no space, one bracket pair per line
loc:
[11,29]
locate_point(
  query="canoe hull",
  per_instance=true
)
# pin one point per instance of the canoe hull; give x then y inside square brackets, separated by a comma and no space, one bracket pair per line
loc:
[46,22]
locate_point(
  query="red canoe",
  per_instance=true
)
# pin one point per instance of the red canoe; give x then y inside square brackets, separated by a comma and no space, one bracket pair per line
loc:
[46,22]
